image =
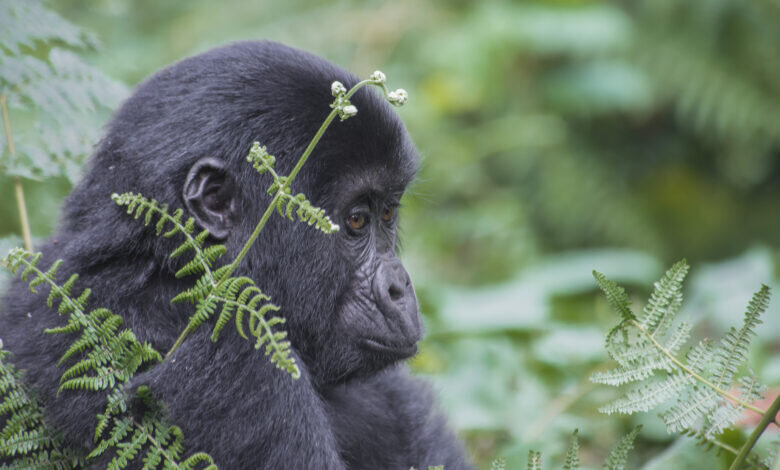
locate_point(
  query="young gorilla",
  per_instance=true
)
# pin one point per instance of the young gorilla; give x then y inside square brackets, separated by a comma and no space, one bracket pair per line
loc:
[350,308]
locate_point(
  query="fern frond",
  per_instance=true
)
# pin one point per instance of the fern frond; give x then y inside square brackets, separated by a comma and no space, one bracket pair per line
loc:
[665,300]
[260,327]
[710,94]
[700,384]
[286,203]
[111,355]
[733,350]
[753,460]
[306,212]
[212,292]
[21,20]
[647,396]
[616,296]
[697,404]
[498,464]
[572,461]
[152,436]
[203,259]
[616,460]
[40,71]
[534,460]
[108,358]
[24,436]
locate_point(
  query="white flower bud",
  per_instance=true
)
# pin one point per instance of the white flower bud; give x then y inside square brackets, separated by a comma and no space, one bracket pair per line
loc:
[378,77]
[348,111]
[337,88]
[398,97]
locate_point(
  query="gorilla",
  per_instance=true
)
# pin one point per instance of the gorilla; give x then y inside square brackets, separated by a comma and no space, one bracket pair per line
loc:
[349,305]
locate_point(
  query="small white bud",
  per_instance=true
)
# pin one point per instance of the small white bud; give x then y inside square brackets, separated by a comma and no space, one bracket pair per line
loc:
[337,88]
[348,111]
[398,97]
[378,77]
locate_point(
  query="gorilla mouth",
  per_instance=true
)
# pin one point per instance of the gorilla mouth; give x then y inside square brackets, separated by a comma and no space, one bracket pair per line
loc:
[402,352]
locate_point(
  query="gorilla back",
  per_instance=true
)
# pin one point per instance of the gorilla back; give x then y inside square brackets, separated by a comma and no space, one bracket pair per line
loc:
[350,309]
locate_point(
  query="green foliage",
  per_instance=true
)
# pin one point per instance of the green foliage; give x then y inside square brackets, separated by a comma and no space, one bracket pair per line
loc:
[616,459]
[105,359]
[212,291]
[52,89]
[25,437]
[286,204]
[723,91]
[534,460]
[572,461]
[647,350]
[164,442]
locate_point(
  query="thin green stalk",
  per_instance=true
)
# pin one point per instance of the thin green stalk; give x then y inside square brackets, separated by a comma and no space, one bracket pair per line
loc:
[767,418]
[24,221]
[269,210]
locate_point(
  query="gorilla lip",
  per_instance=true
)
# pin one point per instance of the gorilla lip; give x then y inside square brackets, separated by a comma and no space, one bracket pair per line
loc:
[400,351]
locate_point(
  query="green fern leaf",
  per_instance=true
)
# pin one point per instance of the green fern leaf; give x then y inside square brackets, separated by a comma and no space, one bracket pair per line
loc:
[572,461]
[616,460]
[498,464]
[734,347]
[616,296]
[700,384]
[646,397]
[534,460]
[665,299]
[25,439]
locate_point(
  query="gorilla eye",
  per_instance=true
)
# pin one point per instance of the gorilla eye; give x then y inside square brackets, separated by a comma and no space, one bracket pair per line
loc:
[356,221]
[388,213]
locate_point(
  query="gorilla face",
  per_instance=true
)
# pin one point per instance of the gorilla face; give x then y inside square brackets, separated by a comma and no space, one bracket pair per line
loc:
[348,301]
[378,310]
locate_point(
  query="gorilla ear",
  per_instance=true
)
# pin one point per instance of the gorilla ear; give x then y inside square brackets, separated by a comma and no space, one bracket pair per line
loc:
[208,194]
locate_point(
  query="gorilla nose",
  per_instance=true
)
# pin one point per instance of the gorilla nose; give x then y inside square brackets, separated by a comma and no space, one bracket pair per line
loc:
[396,300]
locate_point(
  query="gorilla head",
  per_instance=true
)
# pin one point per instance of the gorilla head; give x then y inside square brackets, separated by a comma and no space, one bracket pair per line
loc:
[349,305]
[182,138]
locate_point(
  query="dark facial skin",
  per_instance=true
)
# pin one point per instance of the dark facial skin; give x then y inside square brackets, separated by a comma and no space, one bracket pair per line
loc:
[380,308]
[349,307]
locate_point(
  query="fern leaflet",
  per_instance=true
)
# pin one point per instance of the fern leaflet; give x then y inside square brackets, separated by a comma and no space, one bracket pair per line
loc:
[572,461]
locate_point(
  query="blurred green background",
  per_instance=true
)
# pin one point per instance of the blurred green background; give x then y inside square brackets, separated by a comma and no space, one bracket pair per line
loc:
[557,137]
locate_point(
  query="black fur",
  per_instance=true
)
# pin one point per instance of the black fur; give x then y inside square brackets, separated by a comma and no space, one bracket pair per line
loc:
[354,406]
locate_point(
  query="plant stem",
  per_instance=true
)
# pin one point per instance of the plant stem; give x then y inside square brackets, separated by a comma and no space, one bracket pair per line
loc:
[22,207]
[767,418]
[18,191]
[269,210]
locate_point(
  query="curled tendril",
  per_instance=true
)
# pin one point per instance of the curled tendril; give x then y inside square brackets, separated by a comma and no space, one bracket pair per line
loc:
[398,97]
[378,77]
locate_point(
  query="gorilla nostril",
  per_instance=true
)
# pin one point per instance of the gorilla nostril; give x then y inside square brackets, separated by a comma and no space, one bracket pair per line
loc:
[396,292]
